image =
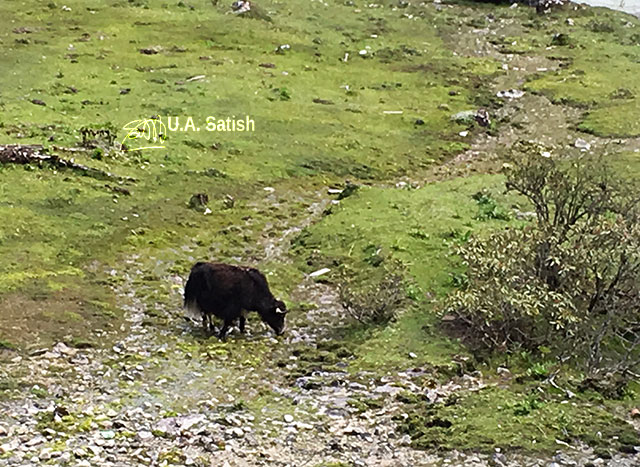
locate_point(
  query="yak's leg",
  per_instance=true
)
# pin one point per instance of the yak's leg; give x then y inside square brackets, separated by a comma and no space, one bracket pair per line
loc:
[204,322]
[225,328]
[242,321]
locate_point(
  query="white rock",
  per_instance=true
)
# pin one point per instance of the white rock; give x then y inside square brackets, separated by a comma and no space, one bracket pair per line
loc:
[511,94]
[412,355]
[288,418]
[145,435]
[45,454]
[463,133]
[10,446]
[269,189]
[319,272]
[191,420]
[35,441]
[582,144]
[62,348]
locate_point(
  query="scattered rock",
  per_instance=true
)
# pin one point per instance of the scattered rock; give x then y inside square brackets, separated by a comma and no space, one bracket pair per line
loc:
[10,446]
[241,6]
[228,202]
[156,49]
[317,100]
[190,421]
[108,434]
[288,418]
[482,117]
[38,102]
[145,435]
[560,39]
[319,272]
[23,30]
[465,117]
[511,94]
[498,459]
[582,144]
[199,201]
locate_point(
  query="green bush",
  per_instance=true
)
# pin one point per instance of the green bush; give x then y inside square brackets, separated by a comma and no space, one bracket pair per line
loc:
[570,282]
[376,302]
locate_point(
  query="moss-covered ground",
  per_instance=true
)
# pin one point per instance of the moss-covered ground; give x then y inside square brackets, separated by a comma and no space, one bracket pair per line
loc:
[364,93]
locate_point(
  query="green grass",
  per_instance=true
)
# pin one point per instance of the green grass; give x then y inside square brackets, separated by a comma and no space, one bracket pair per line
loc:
[523,419]
[416,227]
[67,232]
[78,62]
[601,75]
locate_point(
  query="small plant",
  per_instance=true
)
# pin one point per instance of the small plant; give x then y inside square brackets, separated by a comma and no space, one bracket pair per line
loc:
[373,255]
[528,405]
[284,94]
[489,208]
[375,303]
[97,154]
[538,371]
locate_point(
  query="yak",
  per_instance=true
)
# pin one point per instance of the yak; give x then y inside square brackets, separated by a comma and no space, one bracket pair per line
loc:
[228,292]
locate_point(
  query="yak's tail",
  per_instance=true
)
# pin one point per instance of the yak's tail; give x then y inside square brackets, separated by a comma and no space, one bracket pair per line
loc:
[196,284]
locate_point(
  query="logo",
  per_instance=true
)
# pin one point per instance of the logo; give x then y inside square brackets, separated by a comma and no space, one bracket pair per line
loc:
[151,130]
[151,133]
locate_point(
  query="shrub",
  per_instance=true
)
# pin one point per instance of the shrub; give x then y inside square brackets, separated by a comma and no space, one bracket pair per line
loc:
[571,280]
[376,302]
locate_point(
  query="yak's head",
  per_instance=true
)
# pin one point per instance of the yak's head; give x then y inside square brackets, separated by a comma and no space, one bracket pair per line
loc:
[274,315]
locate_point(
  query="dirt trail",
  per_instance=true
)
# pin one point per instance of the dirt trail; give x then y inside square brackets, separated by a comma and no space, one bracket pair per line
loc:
[525,116]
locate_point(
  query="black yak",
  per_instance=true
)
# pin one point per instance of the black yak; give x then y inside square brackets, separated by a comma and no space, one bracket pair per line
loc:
[228,292]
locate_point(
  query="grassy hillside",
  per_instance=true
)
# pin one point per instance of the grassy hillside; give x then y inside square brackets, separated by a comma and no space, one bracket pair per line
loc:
[339,91]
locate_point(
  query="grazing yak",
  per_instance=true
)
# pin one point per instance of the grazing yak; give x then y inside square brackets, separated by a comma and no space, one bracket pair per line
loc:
[228,292]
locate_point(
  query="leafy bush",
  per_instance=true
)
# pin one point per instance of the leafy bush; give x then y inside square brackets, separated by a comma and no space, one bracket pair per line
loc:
[376,302]
[570,281]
